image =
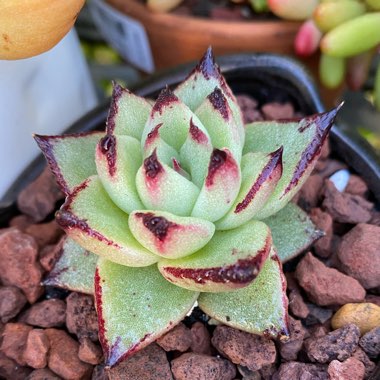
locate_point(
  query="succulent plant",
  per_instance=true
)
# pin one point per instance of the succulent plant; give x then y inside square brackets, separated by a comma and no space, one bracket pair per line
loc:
[178,202]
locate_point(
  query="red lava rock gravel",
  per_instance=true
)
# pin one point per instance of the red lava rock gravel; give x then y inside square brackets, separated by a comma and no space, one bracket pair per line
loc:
[344,207]
[14,340]
[370,342]
[36,349]
[289,349]
[301,371]
[48,313]
[200,339]
[18,256]
[63,356]
[81,318]
[248,350]
[89,352]
[199,367]
[149,364]
[38,199]
[43,374]
[324,222]
[339,344]
[177,339]
[350,369]
[359,254]
[12,300]
[327,286]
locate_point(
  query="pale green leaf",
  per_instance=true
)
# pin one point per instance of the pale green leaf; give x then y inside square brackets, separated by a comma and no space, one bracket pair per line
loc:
[302,142]
[260,308]
[117,160]
[220,187]
[91,219]
[292,231]
[128,113]
[162,188]
[71,157]
[135,306]
[74,269]
[169,235]
[174,115]
[260,174]
[231,260]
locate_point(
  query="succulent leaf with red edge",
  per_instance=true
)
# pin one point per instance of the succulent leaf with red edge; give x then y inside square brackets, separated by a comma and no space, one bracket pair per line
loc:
[181,201]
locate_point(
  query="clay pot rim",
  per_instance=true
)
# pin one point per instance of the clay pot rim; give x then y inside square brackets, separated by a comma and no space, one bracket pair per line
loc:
[247,69]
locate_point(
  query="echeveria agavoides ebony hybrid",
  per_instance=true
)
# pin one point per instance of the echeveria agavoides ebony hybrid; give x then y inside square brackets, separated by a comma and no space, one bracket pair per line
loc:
[177,199]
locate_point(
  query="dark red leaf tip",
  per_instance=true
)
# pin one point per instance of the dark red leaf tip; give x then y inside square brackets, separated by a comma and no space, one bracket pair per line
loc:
[274,164]
[197,134]
[219,102]
[152,166]
[240,273]
[117,93]
[207,65]
[176,165]
[153,134]
[165,99]
[324,122]
[157,225]
[107,146]
[218,158]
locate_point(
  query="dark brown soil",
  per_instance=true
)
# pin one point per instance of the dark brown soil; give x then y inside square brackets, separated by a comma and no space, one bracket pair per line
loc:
[48,333]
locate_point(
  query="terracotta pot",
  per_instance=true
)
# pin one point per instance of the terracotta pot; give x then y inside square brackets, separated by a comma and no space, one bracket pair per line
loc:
[176,39]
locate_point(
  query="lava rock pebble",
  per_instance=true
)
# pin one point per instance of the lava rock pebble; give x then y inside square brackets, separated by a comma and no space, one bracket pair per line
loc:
[339,344]
[359,254]
[350,369]
[177,339]
[249,350]
[149,364]
[199,367]
[327,286]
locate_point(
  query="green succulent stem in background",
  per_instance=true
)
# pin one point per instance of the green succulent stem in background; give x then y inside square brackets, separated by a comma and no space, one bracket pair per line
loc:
[180,201]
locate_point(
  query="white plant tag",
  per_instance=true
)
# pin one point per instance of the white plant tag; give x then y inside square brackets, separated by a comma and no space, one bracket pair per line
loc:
[124,34]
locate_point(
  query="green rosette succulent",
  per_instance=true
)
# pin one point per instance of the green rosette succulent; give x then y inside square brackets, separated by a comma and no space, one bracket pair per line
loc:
[175,203]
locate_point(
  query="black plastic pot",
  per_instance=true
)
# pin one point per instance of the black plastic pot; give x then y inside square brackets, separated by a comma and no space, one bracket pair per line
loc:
[264,76]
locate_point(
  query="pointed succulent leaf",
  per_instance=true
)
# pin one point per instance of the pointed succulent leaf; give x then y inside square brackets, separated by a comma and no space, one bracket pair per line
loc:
[63,153]
[179,169]
[169,235]
[260,308]
[161,188]
[174,115]
[117,160]
[231,260]
[292,231]
[302,141]
[154,142]
[220,188]
[201,82]
[135,306]
[216,115]
[260,174]
[195,153]
[91,219]
[128,113]
[74,269]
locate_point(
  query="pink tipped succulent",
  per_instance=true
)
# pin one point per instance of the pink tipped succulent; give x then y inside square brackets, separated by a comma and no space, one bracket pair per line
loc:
[180,202]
